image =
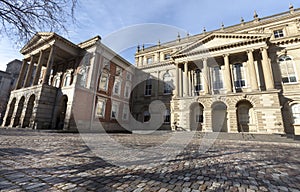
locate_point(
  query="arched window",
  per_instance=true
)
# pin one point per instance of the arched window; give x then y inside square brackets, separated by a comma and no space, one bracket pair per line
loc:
[167,83]
[296,113]
[287,69]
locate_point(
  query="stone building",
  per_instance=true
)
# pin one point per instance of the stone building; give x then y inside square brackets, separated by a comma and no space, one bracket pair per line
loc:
[8,79]
[72,85]
[244,77]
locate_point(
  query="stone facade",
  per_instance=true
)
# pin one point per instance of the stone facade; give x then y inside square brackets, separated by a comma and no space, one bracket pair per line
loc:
[59,85]
[8,80]
[241,78]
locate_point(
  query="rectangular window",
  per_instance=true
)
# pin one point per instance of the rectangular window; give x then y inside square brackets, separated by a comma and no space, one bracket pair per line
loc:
[167,88]
[125,112]
[127,90]
[100,111]
[148,87]
[67,80]
[198,81]
[149,60]
[128,76]
[117,87]
[239,76]
[278,33]
[217,78]
[114,111]
[104,81]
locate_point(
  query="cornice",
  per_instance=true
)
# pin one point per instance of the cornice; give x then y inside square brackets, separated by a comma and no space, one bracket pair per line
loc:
[160,64]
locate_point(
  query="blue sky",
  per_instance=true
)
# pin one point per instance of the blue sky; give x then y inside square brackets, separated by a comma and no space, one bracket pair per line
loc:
[106,17]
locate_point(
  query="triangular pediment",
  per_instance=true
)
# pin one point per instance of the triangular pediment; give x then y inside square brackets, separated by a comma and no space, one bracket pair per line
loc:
[38,38]
[218,40]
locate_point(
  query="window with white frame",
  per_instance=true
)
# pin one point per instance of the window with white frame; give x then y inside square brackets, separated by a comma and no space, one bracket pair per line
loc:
[67,80]
[106,64]
[114,110]
[100,110]
[103,84]
[117,87]
[148,87]
[278,33]
[239,75]
[119,71]
[167,117]
[127,90]
[128,76]
[149,60]
[146,116]
[287,68]
[198,80]
[57,82]
[167,83]
[125,112]
[217,78]
[296,113]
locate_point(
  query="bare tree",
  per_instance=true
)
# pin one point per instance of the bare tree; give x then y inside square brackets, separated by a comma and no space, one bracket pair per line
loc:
[20,19]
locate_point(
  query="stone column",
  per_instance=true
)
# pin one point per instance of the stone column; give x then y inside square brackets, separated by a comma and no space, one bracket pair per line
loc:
[29,73]
[49,66]
[180,82]
[19,83]
[38,69]
[177,81]
[205,76]
[267,71]
[227,76]
[252,71]
[190,83]
[185,79]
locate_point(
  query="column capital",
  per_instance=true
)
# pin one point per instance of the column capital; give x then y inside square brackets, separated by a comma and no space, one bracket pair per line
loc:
[226,55]
[264,48]
[204,59]
[249,50]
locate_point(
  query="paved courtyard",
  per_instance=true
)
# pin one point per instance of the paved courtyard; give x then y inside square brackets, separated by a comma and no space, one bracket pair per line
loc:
[44,161]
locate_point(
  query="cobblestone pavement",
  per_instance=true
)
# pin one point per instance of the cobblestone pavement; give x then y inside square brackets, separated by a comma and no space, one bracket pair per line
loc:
[43,161]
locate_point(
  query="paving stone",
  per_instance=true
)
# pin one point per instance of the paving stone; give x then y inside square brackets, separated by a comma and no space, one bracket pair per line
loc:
[44,161]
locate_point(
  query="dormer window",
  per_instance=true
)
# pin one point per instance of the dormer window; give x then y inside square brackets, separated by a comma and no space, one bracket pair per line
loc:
[278,33]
